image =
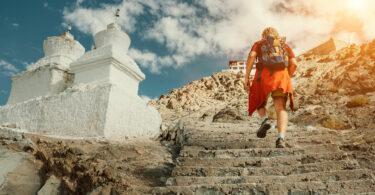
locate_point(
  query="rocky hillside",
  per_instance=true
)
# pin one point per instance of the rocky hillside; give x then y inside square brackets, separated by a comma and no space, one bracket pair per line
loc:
[220,90]
[337,90]
[220,87]
[348,71]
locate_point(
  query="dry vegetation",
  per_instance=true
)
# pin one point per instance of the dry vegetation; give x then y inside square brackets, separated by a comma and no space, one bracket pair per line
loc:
[334,122]
[358,101]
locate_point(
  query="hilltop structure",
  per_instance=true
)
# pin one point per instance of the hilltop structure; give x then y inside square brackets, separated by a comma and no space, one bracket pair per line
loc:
[328,46]
[72,93]
[239,66]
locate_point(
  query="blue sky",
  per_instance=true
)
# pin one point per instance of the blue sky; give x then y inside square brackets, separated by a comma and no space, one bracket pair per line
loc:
[174,42]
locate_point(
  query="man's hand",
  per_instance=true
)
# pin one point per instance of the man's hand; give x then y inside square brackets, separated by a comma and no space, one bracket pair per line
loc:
[247,85]
[292,66]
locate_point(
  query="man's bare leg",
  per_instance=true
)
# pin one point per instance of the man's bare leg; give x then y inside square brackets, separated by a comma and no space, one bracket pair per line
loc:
[282,120]
[282,115]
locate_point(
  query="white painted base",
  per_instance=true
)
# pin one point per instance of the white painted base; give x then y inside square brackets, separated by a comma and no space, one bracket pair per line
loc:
[86,111]
[46,80]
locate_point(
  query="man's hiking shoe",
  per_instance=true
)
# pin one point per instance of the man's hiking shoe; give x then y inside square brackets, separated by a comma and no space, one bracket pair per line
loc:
[280,143]
[262,131]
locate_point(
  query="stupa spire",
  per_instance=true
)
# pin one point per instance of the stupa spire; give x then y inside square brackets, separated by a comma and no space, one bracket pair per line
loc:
[117,15]
[69,28]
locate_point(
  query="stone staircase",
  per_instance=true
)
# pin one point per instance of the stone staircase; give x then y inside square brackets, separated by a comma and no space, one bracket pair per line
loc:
[223,158]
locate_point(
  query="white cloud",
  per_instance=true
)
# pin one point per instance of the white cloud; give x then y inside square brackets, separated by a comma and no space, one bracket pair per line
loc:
[225,28]
[78,3]
[15,25]
[154,63]
[27,64]
[45,4]
[146,98]
[7,68]
[93,20]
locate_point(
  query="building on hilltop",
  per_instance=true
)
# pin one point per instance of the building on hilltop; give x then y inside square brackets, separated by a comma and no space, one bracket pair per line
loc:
[328,46]
[239,65]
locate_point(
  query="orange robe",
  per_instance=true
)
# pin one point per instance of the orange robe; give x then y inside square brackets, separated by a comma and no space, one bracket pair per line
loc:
[259,89]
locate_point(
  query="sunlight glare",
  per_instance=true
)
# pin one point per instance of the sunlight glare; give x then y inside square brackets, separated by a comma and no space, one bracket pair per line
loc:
[356,4]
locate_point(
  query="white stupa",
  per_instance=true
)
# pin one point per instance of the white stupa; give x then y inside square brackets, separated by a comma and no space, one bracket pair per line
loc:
[49,75]
[94,94]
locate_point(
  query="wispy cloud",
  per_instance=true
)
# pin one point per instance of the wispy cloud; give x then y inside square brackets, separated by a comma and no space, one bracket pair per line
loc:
[146,98]
[224,28]
[78,3]
[155,63]
[45,4]
[15,25]
[27,64]
[7,68]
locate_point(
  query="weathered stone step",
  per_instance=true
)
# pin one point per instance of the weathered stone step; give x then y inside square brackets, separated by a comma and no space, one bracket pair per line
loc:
[292,188]
[201,152]
[262,161]
[251,130]
[207,130]
[341,175]
[327,138]
[271,133]
[277,170]
[254,143]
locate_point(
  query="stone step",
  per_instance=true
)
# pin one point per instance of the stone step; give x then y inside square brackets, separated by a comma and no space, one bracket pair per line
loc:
[207,130]
[277,170]
[201,152]
[206,125]
[254,143]
[341,175]
[251,130]
[262,161]
[315,139]
[215,132]
[245,135]
[291,188]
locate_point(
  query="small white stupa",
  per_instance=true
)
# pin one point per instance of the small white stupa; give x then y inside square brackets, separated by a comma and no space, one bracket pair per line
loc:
[49,75]
[69,93]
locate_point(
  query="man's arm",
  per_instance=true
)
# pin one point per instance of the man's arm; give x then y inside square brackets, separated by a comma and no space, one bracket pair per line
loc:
[292,66]
[249,66]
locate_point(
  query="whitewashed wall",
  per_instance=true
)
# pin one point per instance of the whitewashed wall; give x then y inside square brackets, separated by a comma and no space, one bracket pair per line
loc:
[85,111]
[46,80]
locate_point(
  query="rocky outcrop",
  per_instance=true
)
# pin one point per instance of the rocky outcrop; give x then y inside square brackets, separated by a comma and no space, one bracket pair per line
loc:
[228,115]
[223,86]
[347,71]
[33,164]
[338,85]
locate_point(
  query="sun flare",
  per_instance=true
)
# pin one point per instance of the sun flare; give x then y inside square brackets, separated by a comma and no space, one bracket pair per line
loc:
[356,5]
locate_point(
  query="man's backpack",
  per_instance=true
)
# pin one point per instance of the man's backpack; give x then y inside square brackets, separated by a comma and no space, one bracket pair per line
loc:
[274,56]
